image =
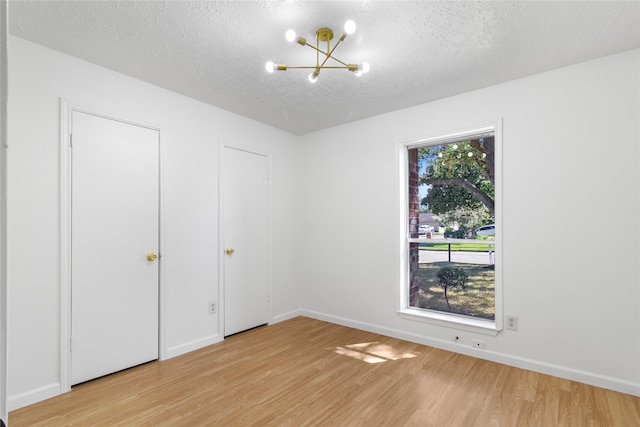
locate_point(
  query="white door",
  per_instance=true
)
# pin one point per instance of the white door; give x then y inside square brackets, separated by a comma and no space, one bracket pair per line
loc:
[246,240]
[115,235]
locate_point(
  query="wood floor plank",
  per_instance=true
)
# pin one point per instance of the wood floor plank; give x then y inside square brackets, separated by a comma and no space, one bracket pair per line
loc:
[305,372]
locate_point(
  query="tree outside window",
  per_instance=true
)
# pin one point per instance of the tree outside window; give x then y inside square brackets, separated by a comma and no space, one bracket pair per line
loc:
[452,270]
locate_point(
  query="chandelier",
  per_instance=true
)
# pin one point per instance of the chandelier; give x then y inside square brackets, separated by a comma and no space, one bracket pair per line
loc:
[323,35]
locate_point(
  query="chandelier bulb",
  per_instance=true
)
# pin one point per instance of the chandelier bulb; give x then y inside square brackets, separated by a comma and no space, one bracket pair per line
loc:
[269,66]
[349,27]
[290,35]
[362,69]
[313,77]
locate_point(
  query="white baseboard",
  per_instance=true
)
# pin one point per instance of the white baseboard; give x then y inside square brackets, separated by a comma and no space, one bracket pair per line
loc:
[286,316]
[33,396]
[623,386]
[45,392]
[192,345]
[597,380]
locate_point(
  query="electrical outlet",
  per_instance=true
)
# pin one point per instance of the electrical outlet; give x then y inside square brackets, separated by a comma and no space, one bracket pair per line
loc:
[212,308]
[512,323]
[479,344]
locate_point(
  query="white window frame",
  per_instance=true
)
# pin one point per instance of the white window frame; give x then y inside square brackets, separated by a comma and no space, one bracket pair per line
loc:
[449,320]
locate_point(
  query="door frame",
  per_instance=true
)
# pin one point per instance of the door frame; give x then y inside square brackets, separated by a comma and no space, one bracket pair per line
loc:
[221,234]
[66,110]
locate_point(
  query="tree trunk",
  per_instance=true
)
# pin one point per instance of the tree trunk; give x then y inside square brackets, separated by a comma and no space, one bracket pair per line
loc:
[487,146]
[446,298]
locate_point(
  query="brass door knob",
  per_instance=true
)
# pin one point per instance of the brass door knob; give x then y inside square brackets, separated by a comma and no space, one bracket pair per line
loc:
[151,256]
[229,251]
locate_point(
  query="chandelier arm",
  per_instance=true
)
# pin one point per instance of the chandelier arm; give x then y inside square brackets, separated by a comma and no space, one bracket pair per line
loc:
[314,67]
[328,55]
[337,60]
[331,51]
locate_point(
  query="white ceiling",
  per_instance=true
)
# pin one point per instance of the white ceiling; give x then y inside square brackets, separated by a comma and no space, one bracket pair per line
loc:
[419,51]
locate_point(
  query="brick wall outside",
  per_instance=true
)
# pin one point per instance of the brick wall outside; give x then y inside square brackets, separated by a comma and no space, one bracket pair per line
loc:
[414,211]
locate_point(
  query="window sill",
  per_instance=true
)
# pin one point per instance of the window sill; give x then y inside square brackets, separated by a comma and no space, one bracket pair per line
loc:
[484,327]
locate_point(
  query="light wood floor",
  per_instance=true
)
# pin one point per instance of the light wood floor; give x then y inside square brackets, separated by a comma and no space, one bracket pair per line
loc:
[305,372]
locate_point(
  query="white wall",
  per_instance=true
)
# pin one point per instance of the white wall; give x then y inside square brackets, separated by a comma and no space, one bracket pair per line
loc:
[571,159]
[3,208]
[191,133]
[570,165]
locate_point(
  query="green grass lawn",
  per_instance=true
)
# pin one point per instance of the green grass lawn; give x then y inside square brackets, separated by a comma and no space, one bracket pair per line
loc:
[477,300]
[473,247]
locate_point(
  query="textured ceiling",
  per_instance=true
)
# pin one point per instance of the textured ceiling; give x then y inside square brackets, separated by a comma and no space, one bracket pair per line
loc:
[419,51]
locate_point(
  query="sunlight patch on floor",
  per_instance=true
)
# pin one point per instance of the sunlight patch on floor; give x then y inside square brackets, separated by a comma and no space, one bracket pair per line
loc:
[373,352]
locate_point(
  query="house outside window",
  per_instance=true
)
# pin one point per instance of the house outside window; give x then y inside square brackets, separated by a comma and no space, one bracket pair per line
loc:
[451,232]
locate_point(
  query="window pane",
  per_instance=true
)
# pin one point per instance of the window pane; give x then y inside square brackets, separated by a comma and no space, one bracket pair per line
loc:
[451,196]
[455,278]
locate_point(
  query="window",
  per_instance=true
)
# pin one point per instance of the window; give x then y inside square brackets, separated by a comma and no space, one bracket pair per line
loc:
[451,214]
